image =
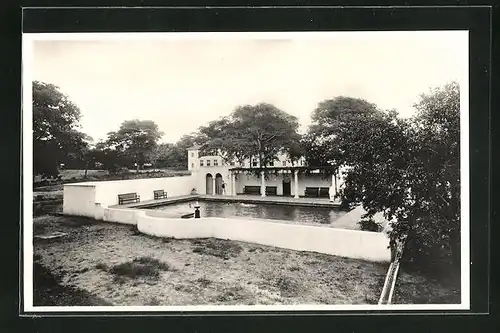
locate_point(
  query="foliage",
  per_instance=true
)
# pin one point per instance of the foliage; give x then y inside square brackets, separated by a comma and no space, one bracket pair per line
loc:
[406,168]
[257,132]
[370,225]
[133,143]
[56,135]
[319,141]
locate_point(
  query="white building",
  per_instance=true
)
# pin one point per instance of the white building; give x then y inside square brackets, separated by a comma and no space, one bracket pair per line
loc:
[280,178]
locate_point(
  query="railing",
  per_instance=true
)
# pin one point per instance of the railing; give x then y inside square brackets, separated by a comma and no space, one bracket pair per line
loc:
[391,277]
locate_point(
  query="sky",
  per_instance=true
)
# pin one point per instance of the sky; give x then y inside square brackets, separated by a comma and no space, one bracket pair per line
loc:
[183,81]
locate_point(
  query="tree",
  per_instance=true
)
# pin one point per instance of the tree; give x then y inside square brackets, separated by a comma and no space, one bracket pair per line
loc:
[56,135]
[221,137]
[158,156]
[409,170]
[252,131]
[134,141]
[319,141]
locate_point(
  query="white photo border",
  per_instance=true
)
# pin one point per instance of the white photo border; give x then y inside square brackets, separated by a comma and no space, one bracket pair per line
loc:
[27,157]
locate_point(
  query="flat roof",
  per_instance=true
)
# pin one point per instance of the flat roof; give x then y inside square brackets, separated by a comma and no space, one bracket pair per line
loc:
[284,168]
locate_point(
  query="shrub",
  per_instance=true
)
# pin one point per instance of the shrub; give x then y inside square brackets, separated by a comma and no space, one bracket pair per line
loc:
[217,248]
[370,225]
[144,266]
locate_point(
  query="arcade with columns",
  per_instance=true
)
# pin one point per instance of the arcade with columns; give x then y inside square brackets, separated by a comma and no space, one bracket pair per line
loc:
[215,177]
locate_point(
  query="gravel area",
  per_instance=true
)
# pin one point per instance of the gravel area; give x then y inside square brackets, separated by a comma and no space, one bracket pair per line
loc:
[118,265]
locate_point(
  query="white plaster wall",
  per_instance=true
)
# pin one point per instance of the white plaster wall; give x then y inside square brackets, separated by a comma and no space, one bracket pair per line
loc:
[79,199]
[88,199]
[107,191]
[346,243]
[121,215]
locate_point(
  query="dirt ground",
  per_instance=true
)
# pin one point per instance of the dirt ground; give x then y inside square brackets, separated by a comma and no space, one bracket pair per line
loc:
[115,264]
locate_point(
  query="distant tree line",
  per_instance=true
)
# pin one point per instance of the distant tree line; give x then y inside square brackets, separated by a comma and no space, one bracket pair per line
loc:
[409,169]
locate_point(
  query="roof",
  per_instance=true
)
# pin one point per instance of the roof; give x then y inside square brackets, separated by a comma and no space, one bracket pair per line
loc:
[270,168]
[194,147]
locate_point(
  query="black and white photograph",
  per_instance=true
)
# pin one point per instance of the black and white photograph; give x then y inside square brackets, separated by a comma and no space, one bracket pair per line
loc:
[246,171]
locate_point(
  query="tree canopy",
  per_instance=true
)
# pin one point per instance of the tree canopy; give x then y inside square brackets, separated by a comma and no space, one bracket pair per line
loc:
[320,140]
[56,135]
[259,132]
[134,141]
[406,168]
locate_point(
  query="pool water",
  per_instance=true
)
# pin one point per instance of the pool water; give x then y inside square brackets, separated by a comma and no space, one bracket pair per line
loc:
[313,215]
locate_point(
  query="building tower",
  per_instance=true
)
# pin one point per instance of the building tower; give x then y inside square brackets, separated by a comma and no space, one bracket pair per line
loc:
[193,158]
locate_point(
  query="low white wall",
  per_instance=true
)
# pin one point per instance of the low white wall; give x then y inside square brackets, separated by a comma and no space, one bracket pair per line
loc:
[79,199]
[120,215]
[107,192]
[86,199]
[341,242]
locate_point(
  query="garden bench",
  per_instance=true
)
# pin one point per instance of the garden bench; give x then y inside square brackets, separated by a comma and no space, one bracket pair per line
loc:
[128,197]
[159,194]
[324,192]
[254,190]
[311,192]
[271,190]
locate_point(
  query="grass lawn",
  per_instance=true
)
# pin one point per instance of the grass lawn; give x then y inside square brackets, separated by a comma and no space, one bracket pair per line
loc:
[102,263]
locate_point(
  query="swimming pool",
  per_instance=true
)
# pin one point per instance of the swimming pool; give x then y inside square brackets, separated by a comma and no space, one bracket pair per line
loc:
[299,214]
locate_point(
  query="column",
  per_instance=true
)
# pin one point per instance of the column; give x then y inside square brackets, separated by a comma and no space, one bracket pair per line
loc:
[296,183]
[335,182]
[262,184]
[233,183]
[214,191]
[332,191]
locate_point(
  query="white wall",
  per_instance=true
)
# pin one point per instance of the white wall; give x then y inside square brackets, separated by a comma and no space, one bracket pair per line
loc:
[79,199]
[107,192]
[85,198]
[341,242]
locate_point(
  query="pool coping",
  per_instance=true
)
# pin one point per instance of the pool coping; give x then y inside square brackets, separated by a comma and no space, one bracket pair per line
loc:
[284,201]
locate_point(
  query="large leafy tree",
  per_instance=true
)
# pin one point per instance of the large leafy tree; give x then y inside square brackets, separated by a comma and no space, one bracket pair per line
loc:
[56,131]
[260,132]
[409,170]
[320,141]
[134,141]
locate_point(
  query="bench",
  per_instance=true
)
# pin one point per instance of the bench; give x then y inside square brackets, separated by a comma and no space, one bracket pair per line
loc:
[311,192]
[159,194]
[271,190]
[254,190]
[128,197]
[324,192]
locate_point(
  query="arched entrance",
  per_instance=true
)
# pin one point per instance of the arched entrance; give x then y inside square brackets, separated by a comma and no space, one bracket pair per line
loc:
[218,183]
[209,184]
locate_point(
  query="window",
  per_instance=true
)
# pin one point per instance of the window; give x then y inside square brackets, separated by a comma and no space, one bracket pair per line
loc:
[254,163]
[271,163]
[284,163]
[201,162]
[192,154]
[208,162]
[192,165]
[216,163]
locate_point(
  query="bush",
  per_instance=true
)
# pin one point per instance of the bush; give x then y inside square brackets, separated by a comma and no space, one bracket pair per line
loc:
[370,225]
[144,266]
